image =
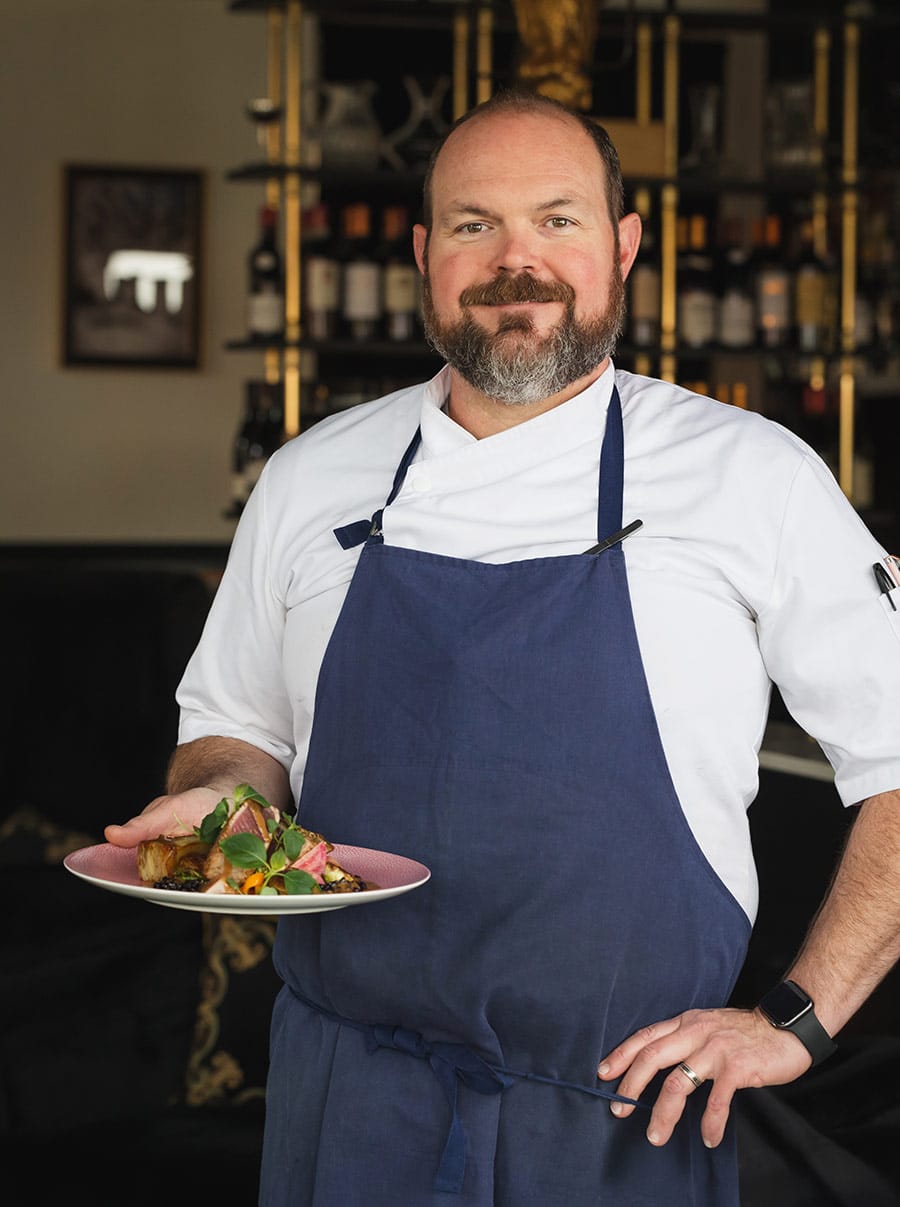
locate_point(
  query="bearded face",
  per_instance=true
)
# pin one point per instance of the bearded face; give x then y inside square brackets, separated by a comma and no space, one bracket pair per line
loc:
[514,363]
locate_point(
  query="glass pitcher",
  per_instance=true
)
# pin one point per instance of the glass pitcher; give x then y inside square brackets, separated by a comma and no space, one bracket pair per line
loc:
[349,134]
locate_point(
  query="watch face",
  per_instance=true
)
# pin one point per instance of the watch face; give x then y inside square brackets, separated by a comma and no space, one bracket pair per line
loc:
[785,1004]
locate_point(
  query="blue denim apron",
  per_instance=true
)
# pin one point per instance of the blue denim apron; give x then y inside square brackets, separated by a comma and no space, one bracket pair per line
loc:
[494,722]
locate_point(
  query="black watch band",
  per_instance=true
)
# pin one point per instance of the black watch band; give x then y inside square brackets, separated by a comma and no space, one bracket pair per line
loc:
[790,1008]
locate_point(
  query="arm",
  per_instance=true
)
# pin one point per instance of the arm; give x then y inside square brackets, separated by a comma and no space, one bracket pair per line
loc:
[200,774]
[853,943]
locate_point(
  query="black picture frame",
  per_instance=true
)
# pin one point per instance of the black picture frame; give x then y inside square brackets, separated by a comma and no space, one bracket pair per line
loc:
[133,266]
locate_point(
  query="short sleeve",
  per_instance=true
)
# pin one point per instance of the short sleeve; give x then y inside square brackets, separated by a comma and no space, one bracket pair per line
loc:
[233,685]
[829,638]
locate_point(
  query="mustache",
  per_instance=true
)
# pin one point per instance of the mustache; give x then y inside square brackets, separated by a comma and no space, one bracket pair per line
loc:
[503,291]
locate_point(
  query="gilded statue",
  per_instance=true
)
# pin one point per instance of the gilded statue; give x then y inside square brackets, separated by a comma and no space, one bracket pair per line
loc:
[557,39]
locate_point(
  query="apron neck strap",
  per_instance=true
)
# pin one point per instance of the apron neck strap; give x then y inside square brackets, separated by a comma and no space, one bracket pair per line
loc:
[360,531]
[609,500]
[612,471]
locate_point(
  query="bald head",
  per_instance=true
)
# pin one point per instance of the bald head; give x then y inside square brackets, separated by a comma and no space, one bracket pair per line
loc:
[519,101]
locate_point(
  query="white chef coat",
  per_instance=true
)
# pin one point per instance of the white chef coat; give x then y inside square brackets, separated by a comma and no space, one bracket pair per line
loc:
[750,566]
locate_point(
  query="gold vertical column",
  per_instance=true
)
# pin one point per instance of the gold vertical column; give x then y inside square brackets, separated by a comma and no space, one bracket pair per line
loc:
[293,22]
[643,73]
[669,207]
[849,218]
[642,108]
[483,54]
[822,60]
[461,32]
[274,56]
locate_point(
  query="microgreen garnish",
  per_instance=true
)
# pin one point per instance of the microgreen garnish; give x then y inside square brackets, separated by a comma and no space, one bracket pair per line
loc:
[250,851]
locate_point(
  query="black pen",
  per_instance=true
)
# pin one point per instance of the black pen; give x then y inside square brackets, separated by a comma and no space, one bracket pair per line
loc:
[616,537]
[885,582]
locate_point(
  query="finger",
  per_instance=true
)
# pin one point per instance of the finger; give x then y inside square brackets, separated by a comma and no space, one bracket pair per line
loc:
[619,1059]
[661,1049]
[669,1106]
[161,816]
[715,1117]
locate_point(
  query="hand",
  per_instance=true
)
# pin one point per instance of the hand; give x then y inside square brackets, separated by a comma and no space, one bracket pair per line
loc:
[176,814]
[734,1049]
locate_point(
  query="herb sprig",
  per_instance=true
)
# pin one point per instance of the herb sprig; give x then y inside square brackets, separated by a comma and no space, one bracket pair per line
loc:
[267,860]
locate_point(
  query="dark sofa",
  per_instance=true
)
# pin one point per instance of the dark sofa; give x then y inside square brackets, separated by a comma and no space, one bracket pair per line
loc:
[134,1038]
[133,1044]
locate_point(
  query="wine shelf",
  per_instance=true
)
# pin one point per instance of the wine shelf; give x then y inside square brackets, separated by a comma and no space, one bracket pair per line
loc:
[481,38]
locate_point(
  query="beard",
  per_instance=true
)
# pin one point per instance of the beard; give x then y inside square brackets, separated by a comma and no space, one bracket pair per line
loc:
[514,364]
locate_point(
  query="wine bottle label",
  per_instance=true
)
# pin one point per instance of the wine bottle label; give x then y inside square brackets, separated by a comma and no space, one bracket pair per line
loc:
[401,287]
[252,470]
[265,314]
[323,283]
[645,332]
[697,317]
[362,291]
[645,292]
[773,303]
[264,260]
[809,298]
[737,320]
[400,325]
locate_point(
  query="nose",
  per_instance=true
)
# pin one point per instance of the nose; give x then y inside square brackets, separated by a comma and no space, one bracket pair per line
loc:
[517,251]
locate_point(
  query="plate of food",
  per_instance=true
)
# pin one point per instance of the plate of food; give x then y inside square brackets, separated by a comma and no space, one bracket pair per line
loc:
[246,857]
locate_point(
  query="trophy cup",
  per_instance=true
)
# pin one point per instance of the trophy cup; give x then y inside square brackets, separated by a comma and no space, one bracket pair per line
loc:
[557,39]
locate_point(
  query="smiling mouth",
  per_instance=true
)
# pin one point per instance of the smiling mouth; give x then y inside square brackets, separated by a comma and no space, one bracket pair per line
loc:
[518,305]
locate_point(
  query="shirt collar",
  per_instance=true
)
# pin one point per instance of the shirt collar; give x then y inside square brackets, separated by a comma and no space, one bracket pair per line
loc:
[573,421]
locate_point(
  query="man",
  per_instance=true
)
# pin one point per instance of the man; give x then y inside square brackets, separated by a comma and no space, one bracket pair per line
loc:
[426,634]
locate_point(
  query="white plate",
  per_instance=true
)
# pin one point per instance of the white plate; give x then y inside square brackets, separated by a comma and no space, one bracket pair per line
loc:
[115,868]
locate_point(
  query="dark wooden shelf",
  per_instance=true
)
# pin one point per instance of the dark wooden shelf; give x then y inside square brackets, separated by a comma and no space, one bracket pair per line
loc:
[383,181]
[381,348]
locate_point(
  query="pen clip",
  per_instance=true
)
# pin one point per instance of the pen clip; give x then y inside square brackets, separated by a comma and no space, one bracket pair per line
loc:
[607,542]
[885,583]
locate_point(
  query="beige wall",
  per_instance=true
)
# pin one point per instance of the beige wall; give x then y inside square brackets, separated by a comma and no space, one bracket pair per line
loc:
[106,454]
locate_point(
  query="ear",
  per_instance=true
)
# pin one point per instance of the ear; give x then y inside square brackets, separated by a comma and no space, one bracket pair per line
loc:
[420,240]
[629,241]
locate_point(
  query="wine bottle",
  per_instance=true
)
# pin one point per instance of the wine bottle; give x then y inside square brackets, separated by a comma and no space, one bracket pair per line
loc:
[773,296]
[239,448]
[265,431]
[259,433]
[697,302]
[401,276]
[361,275]
[810,295]
[322,275]
[737,307]
[645,279]
[265,296]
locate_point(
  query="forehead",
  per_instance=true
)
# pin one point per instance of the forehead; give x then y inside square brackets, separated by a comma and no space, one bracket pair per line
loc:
[533,154]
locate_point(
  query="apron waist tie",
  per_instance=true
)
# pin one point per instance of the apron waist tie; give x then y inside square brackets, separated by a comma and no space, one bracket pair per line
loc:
[452,1063]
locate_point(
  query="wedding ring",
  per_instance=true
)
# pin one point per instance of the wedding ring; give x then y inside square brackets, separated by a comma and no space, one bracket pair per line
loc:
[691,1075]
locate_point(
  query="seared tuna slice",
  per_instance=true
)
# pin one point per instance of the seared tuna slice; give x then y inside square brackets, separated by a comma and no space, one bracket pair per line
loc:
[248,818]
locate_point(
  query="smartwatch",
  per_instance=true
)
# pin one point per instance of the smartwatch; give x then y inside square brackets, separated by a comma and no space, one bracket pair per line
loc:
[790,1008]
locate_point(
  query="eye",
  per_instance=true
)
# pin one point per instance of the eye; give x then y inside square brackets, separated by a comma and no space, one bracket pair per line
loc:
[471,228]
[559,223]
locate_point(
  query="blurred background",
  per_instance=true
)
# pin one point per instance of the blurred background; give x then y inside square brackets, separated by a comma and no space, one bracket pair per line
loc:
[205,220]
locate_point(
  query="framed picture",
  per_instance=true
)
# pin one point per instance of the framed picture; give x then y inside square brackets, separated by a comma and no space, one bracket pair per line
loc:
[132,266]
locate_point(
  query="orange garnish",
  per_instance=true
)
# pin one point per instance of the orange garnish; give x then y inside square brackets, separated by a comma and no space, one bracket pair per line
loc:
[253,881]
